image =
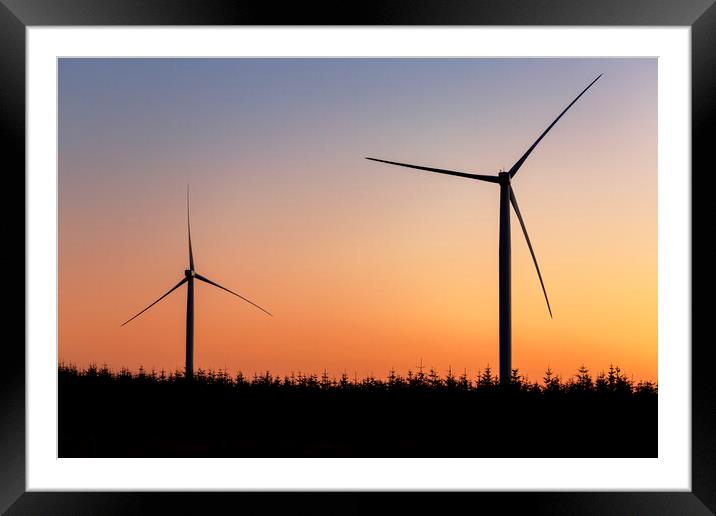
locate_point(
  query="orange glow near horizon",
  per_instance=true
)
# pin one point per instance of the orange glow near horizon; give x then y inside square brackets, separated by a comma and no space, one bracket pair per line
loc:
[365,266]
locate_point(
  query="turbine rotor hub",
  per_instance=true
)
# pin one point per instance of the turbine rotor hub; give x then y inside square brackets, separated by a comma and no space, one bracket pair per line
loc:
[504,178]
[189,273]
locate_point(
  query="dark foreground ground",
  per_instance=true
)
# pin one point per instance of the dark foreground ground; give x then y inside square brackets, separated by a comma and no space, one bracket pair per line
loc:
[106,415]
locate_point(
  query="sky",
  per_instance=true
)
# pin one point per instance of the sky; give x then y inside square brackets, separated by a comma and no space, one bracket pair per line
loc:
[365,266]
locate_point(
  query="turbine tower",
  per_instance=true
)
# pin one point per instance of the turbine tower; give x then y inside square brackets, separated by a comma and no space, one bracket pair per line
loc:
[189,275]
[507,197]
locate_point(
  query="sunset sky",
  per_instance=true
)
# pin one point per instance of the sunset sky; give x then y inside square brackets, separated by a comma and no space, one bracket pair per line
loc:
[365,266]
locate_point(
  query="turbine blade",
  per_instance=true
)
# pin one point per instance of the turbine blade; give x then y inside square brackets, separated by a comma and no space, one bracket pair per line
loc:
[513,200]
[188,227]
[155,302]
[489,179]
[519,163]
[206,280]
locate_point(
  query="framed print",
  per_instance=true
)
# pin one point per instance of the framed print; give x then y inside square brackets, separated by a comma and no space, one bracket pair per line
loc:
[281,251]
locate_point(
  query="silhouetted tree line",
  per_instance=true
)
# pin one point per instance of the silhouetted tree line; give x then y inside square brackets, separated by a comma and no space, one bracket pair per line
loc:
[149,413]
[612,381]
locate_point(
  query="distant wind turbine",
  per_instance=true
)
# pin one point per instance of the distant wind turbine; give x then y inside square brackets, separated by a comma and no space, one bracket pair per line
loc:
[189,276]
[507,196]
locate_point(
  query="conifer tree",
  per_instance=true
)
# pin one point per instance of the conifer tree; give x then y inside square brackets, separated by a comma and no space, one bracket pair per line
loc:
[391,378]
[612,378]
[485,378]
[464,380]
[434,379]
[516,379]
[584,379]
[450,381]
[601,384]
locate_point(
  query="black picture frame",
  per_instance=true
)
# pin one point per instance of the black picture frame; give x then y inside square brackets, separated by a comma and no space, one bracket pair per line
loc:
[17,15]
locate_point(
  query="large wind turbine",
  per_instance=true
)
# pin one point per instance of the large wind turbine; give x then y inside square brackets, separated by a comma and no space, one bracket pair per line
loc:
[189,276]
[507,196]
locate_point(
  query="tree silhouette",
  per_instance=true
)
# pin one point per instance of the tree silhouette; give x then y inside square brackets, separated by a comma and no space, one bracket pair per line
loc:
[601,384]
[549,380]
[485,378]
[450,381]
[583,379]
[464,381]
[434,379]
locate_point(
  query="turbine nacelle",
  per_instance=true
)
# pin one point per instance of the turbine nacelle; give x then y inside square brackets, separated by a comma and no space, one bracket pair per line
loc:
[504,178]
[189,273]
